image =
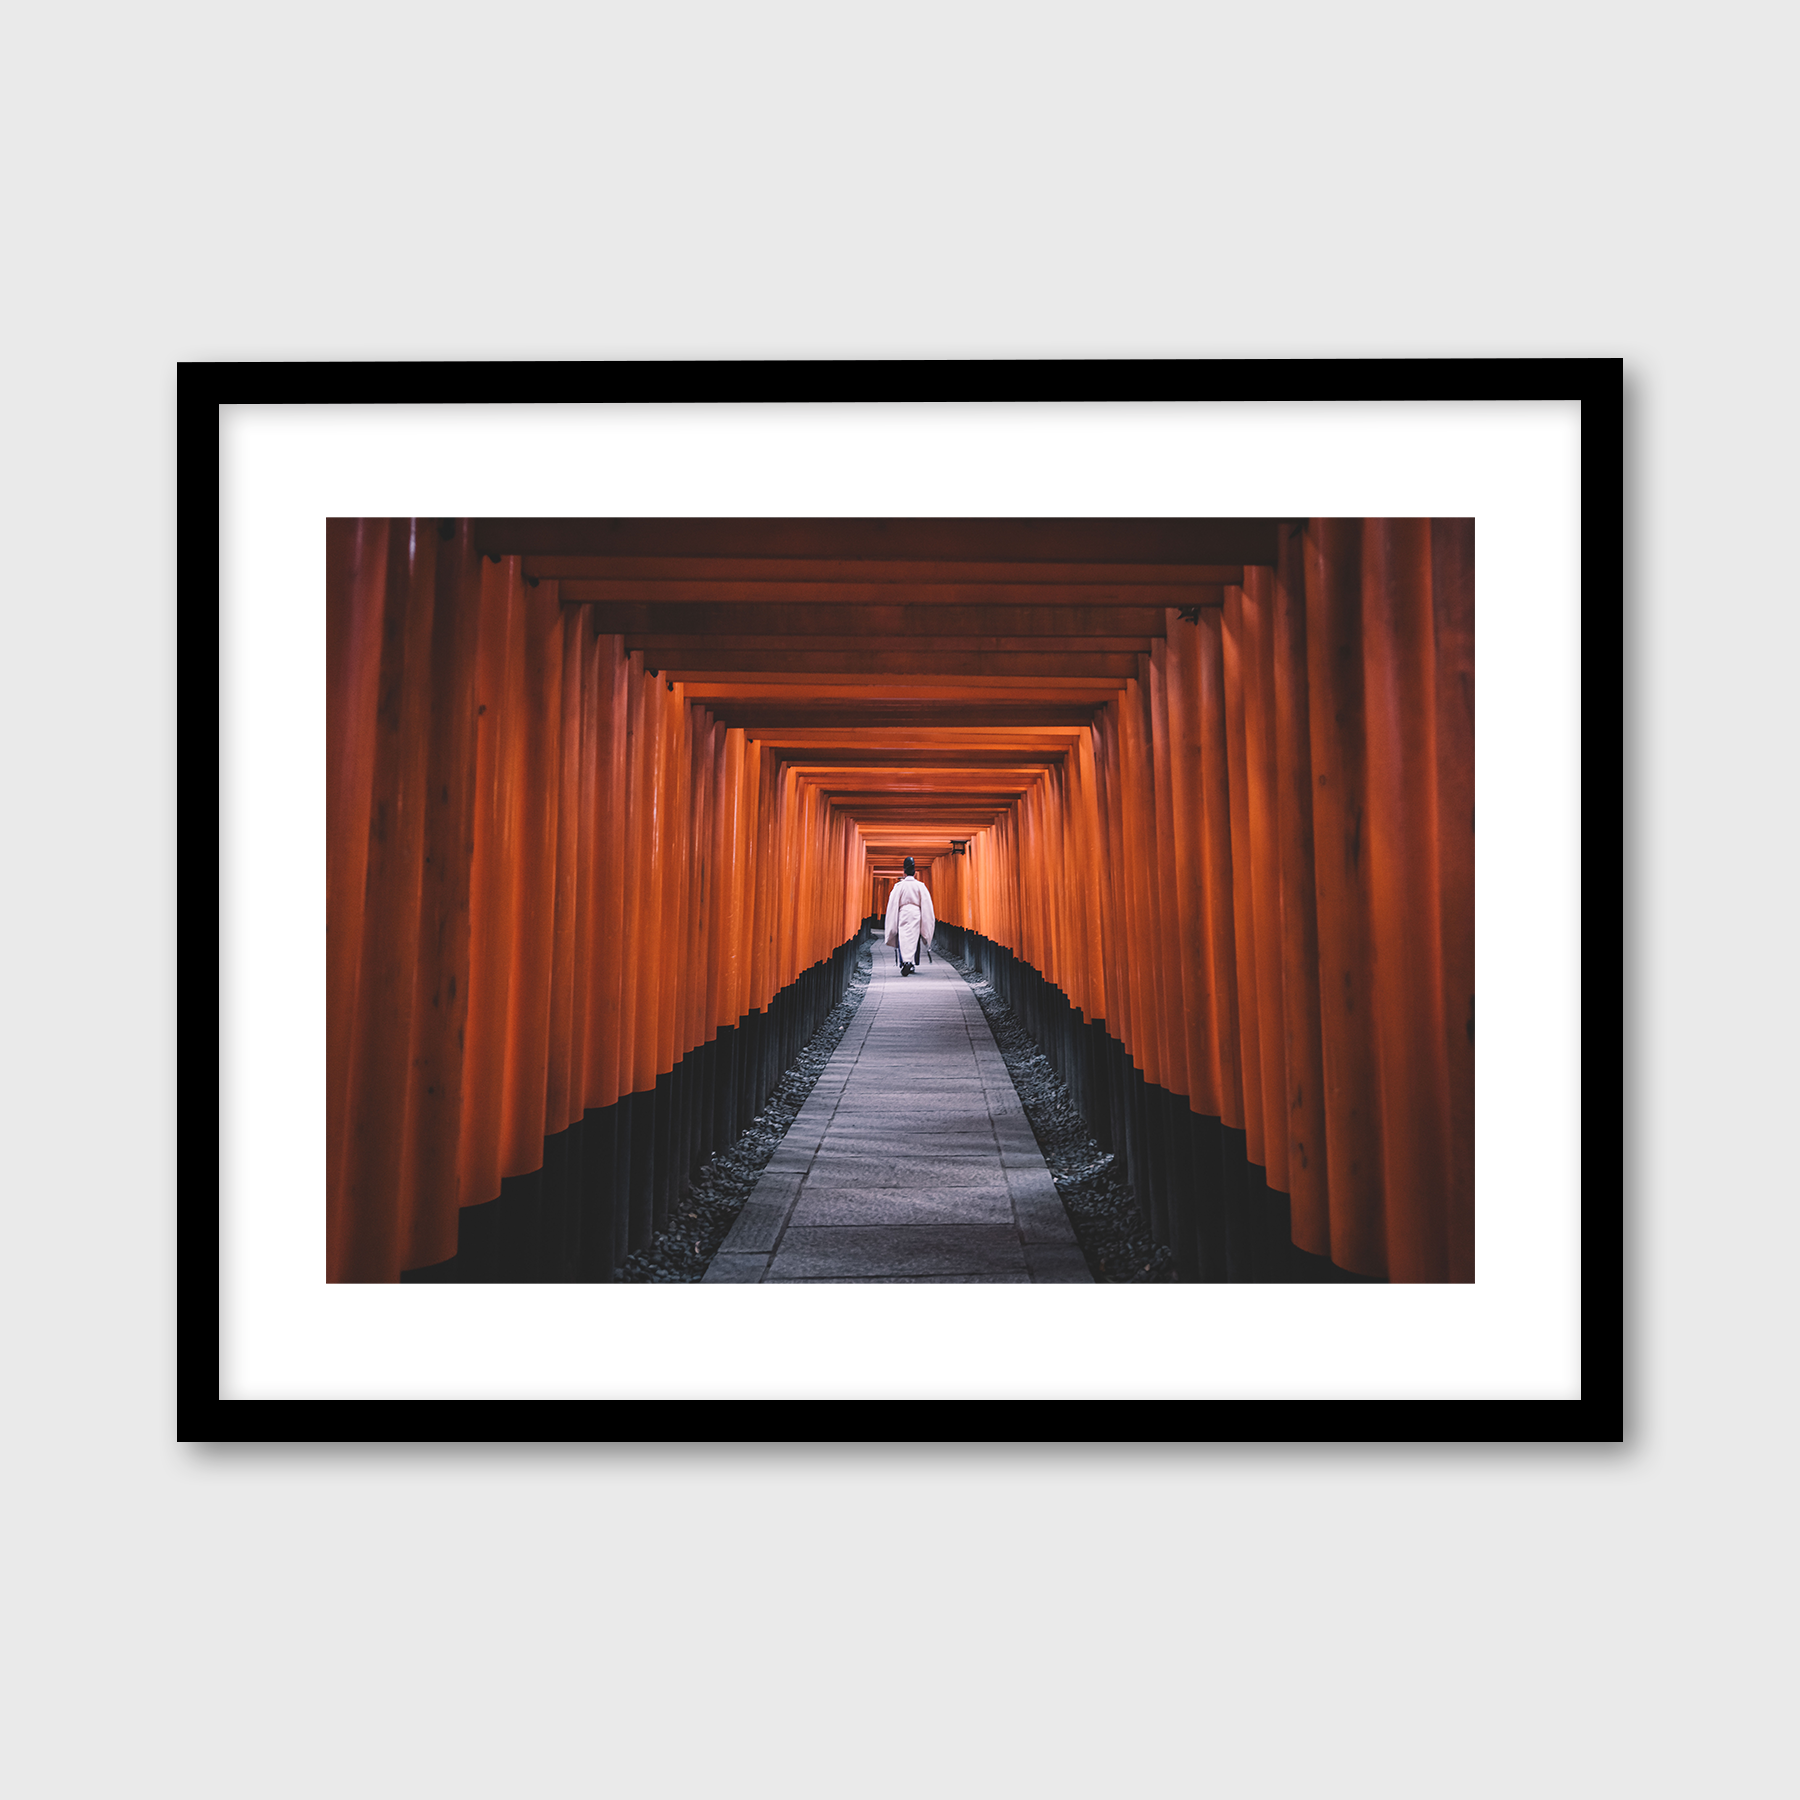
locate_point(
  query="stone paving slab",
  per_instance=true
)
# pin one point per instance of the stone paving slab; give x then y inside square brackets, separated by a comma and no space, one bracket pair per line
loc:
[990,1205]
[959,1144]
[906,1172]
[910,1091]
[1057,1262]
[1038,1208]
[893,1124]
[924,1250]
[910,1161]
[727,1266]
[796,1162]
[906,1125]
[758,1225]
[903,1280]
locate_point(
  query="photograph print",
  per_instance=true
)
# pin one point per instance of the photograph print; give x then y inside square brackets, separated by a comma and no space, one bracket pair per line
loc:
[907,900]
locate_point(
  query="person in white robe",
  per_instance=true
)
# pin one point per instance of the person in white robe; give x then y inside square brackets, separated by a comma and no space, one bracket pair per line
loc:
[910,919]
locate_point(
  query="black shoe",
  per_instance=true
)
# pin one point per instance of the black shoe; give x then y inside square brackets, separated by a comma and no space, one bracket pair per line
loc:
[906,968]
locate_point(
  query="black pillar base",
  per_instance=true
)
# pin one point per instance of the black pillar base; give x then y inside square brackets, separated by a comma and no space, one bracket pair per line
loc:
[608,1182]
[1195,1187]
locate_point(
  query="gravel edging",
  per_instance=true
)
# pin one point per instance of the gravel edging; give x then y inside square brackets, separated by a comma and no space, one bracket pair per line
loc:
[1108,1227]
[700,1219]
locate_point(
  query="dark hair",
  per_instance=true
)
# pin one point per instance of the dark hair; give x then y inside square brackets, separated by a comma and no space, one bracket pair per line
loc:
[909,865]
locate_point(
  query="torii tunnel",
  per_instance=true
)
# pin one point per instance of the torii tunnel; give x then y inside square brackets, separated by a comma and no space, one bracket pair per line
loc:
[611,802]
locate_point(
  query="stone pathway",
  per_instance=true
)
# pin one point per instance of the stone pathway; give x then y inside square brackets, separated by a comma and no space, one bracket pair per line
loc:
[911,1160]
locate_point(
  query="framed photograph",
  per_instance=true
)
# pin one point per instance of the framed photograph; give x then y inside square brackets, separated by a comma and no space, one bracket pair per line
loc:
[907,901]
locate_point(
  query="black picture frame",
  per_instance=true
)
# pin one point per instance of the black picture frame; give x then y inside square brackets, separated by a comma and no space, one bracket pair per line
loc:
[1597,1416]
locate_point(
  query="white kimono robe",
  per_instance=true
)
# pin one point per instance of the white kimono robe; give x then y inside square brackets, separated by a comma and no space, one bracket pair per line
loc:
[909,916]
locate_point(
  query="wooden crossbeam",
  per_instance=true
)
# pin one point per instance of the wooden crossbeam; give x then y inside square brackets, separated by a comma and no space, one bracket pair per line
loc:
[807,572]
[889,822]
[908,765]
[895,779]
[765,715]
[887,663]
[877,805]
[687,650]
[845,772]
[869,687]
[888,540]
[747,619]
[888,594]
[950,736]
[917,797]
